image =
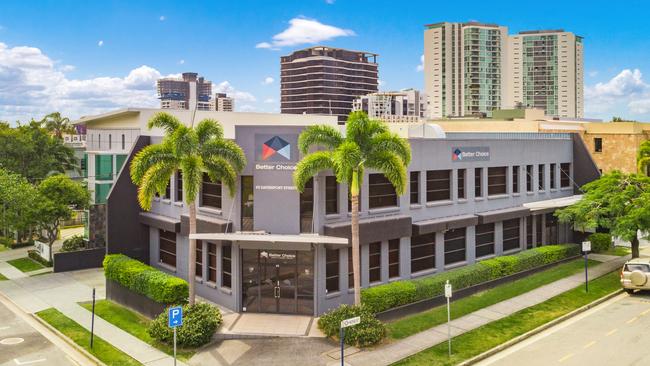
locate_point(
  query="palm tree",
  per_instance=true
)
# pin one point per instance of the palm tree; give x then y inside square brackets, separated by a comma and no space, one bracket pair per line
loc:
[643,158]
[194,151]
[367,144]
[57,125]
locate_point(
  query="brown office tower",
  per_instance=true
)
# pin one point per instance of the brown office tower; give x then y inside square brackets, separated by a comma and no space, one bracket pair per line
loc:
[325,80]
[190,91]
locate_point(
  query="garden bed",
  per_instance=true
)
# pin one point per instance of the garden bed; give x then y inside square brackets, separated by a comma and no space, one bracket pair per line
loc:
[26,264]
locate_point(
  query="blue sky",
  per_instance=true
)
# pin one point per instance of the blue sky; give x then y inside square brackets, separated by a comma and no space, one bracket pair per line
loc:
[85,57]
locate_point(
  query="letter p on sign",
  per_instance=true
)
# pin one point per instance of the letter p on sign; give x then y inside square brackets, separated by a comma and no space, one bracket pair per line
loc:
[175,317]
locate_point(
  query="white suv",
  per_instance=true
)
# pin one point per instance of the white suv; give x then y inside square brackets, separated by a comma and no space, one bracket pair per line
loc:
[636,275]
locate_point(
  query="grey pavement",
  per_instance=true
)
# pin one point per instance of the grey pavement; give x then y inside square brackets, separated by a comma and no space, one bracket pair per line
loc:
[613,333]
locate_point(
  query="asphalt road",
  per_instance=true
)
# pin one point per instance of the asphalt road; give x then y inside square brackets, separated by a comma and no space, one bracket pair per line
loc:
[616,332]
[20,344]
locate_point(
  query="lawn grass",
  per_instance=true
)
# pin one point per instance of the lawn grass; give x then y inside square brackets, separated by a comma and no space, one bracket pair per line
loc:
[26,264]
[103,350]
[3,248]
[619,251]
[2,277]
[135,324]
[410,325]
[484,338]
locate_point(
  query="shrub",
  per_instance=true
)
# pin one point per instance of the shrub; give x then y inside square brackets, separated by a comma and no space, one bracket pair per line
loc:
[73,244]
[33,254]
[600,242]
[369,332]
[6,241]
[145,280]
[200,321]
[383,297]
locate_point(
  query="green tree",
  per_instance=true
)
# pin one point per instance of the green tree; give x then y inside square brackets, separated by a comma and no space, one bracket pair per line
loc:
[57,125]
[193,151]
[18,200]
[643,158]
[58,197]
[616,201]
[367,144]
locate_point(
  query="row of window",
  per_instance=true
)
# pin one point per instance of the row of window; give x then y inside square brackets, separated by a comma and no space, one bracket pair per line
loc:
[110,141]
[209,196]
[167,255]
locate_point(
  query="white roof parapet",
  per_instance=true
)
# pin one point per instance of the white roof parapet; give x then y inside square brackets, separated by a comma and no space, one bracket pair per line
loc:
[271,238]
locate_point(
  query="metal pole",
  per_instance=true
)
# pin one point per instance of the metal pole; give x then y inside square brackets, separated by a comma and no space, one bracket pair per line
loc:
[174,346]
[92,321]
[342,336]
[448,328]
[586,274]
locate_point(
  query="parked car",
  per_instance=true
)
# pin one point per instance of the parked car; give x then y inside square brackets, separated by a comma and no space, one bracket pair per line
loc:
[635,275]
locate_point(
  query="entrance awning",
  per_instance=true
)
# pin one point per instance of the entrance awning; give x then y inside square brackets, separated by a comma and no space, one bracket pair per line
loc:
[272,238]
[489,217]
[547,206]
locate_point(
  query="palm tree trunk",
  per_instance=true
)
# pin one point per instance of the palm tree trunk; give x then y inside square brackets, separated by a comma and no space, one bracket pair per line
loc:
[192,257]
[635,247]
[356,271]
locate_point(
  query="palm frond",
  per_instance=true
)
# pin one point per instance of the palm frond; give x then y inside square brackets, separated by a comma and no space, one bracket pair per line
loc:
[219,170]
[389,164]
[192,168]
[348,156]
[165,121]
[184,141]
[319,135]
[310,165]
[388,141]
[208,129]
[147,157]
[155,180]
[226,149]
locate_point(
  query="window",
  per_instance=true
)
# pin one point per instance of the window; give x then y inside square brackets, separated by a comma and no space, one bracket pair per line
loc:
[529,178]
[123,142]
[415,187]
[511,234]
[381,192]
[167,247]
[212,262]
[99,141]
[307,207]
[484,240]
[210,192]
[110,141]
[598,144]
[454,246]
[538,230]
[478,182]
[515,179]
[374,262]
[552,173]
[179,187]
[331,270]
[226,265]
[393,258]
[331,195]
[565,175]
[461,183]
[423,252]
[101,192]
[529,232]
[199,258]
[119,162]
[497,180]
[103,167]
[438,185]
[540,177]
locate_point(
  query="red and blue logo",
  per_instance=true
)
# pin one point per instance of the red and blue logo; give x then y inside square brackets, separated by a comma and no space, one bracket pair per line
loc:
[276,146]
[457,155]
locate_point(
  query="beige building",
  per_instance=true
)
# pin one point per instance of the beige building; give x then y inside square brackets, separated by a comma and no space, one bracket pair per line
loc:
[408,105]
[222,103]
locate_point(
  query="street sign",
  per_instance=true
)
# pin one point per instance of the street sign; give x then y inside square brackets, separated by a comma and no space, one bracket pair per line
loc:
[448,296]
[350,322]
[175,317]
[586,246]
[447,289]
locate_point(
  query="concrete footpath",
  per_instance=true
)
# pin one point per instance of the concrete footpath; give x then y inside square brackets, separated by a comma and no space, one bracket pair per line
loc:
[398,350]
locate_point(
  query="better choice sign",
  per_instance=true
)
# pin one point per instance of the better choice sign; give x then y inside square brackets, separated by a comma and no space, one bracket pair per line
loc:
[470,153]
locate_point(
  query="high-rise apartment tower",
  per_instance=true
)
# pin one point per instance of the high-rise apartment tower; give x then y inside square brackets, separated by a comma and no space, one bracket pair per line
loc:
[188,92]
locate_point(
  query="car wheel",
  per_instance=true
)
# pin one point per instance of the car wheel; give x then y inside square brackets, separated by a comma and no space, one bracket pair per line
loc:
[629,291]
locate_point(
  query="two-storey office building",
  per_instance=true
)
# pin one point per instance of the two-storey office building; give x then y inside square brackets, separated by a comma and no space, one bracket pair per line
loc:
[269,248]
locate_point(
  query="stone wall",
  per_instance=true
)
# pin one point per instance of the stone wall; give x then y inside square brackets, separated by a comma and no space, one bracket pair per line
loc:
[618,153]
[97,226]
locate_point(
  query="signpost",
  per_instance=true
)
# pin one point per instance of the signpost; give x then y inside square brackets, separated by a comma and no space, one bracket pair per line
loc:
[586,248]
[448,296]
[344,324]
[175,320]
[92,321]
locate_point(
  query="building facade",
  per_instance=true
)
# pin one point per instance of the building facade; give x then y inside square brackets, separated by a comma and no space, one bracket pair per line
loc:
[267,248]
[325,80]
[188,92]
[222,103]
[408,105]
[545,70]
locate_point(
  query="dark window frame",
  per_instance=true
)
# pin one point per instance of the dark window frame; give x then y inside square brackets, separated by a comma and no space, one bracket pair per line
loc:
[515,179]
[438,185]
[425,248]
[551,170]
[454,237]
[511,234]
[541,177]
[199,259]
[414,186]
[212,262]
[393,258]
[178,190]
[478,182]
[214,199]
[331,195]
[226,265]
[497,180]
[565,175]
[485,242]
[374,262]
[529,179]
[461,178]
[166,237]
[598,144]
[381,192]
[332,270]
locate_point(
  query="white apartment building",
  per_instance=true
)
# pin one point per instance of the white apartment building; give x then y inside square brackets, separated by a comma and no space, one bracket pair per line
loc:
[546,71]
[222,103]
[471,69]
[408,105]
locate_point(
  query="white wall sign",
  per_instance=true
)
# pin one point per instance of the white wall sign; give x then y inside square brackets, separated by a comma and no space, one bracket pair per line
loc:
[43,249]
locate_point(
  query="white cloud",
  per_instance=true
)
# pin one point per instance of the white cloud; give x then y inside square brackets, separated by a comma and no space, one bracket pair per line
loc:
[100,43]
[268,80]
[305,31]
[269,100]
[381,82]
[420,67]
[162,18]
[626,94]
[181,62]
[226,87]
[330,2]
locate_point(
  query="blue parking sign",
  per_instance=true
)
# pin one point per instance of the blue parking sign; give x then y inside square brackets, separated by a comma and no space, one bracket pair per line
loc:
[175,317]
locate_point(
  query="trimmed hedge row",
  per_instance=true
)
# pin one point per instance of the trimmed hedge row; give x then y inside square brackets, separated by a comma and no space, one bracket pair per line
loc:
[369,332]
[383,297]
[145,280]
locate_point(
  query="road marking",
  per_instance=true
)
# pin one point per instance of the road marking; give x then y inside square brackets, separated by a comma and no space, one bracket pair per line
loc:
[565,357]
[645,312]
[611,332]
[589,344]
[4,328]
[18,362]
[632,320]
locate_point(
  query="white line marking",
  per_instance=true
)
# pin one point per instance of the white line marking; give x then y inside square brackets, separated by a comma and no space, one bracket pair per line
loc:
[632,320]
[565,357]
[4,328]
[589,344]
[18,362]
[611,332]
[645,312]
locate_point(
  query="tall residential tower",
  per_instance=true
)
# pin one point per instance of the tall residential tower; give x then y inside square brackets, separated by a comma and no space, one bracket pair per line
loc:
[188,92]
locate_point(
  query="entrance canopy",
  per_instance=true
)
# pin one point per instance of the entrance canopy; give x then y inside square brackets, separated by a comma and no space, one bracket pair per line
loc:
[551,205]
[272,238]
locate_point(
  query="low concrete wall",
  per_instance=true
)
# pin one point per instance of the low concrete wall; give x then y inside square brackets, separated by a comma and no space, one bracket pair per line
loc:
[80,259]
[140,303]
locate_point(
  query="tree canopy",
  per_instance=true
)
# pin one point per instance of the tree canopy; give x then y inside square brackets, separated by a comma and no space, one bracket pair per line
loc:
[57,125]
[18,202]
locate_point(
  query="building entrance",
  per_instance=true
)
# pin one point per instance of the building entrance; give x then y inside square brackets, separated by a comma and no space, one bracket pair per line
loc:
[277,281]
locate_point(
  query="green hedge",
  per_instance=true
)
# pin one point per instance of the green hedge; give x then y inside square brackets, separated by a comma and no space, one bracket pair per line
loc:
[600,242]
[200,321]
[383,297]
[369,332]
[145,280]
[33,254]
